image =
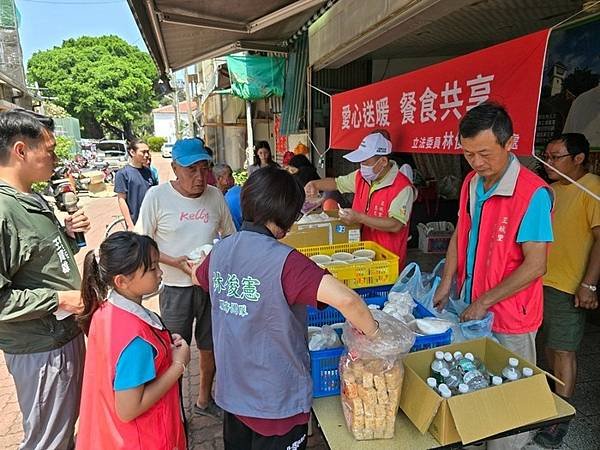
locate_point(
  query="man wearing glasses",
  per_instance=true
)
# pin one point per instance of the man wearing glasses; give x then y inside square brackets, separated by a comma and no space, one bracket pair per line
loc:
[573,266]
[181,216]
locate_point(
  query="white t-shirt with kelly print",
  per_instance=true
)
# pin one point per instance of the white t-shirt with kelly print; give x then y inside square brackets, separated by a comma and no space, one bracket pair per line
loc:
[181,224]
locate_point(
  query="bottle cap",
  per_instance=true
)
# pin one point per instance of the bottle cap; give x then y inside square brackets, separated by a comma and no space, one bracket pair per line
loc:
[431,382]
[463,388]
[439,355]
[457,355]
[496,381]
[514,362]
[446,393]
[511,376]
[527,371]
[470,356]
[444,372]
[443,387]
[448,356]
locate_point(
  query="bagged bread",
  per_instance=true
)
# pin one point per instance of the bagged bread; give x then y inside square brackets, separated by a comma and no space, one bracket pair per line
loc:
[370,412]
[371,374]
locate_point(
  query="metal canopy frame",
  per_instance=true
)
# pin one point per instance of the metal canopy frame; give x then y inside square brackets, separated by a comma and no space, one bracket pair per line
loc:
[157,26]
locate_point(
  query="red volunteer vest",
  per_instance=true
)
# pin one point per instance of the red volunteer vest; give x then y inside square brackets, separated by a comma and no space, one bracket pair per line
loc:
[498,254]
[161,427]
[377,205]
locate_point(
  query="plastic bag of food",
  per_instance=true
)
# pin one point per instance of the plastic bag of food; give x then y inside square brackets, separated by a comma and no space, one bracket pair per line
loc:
[324,338]
[371,375]
[312,203]
[400,306]
[370,395]
[433,325]
[393,339]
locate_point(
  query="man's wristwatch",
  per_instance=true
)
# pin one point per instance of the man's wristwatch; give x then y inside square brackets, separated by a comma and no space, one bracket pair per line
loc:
[591,287]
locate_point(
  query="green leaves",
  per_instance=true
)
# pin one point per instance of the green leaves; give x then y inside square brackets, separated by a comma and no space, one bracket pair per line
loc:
[97,79]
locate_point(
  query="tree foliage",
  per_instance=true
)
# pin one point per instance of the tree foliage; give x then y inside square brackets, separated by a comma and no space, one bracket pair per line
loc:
[64,144]
[103,81]
[155,143]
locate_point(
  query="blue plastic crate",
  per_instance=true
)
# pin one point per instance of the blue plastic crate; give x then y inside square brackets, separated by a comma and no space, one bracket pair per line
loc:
[324,363]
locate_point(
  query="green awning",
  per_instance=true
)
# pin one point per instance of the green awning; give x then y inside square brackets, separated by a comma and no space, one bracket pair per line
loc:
[255,77]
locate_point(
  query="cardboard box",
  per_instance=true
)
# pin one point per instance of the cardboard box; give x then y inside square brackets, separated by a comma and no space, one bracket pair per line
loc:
[94,188]
[322,233]
[479,414]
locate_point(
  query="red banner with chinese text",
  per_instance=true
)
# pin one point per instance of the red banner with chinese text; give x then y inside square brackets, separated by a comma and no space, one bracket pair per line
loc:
[422,109]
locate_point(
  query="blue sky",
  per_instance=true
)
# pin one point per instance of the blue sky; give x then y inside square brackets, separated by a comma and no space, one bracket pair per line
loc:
[46,23]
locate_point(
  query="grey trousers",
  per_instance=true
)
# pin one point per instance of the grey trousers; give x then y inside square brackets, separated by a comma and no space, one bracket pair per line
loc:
[48,390]
[524,346]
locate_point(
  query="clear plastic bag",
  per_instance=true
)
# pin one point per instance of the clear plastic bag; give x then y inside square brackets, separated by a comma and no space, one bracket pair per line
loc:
[421,286]
[371,374]
[465,331]
[393,339]
[370,396]
[323,339]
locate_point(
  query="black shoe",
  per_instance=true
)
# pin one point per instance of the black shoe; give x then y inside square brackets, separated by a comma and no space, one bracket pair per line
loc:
[552,436]
[212,410]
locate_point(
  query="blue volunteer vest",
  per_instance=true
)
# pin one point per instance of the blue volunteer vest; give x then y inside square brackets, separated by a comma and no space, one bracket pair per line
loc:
[263,366]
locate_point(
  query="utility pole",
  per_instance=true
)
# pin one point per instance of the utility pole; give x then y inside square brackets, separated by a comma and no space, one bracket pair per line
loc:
[190,116]
[250,133]
[176,104]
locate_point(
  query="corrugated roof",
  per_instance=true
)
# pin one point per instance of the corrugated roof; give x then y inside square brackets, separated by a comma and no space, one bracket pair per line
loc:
[183,108]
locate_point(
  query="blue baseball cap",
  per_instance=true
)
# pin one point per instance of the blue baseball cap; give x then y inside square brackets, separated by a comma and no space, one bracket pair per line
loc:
[189,151]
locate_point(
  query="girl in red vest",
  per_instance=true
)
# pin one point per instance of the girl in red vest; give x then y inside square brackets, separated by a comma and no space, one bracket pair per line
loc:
[130,396]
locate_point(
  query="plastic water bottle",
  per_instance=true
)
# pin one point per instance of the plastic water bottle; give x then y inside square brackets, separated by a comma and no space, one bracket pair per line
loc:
[432,382]
[452,378]
[463,388]
[478,362]
[437,365]
[475,380]
[527,372]
[445,391]
[467,364]
[511,372]
[448,357]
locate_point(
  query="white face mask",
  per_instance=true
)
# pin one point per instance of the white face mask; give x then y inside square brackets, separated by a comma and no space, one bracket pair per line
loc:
[368,172]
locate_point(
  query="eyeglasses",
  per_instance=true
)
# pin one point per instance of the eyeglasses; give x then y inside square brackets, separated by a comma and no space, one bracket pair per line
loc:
[552,158]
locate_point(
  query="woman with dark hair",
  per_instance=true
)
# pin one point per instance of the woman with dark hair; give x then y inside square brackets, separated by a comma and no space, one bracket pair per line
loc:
[262,157]
[260,289]
[133,364]
[302,170]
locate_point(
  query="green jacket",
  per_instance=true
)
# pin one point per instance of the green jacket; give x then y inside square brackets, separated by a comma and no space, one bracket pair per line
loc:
[36,261]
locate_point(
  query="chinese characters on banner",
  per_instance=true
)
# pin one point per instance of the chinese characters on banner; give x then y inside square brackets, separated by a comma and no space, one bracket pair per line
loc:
[422,109]
[281,142]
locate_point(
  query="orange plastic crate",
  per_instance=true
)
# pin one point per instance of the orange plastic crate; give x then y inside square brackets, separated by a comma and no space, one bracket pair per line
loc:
[383,270]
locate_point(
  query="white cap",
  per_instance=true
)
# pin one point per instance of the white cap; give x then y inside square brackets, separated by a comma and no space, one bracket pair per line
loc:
[439,355]
[443,387]
[463,388]
[511,376]
[446,393]
[514,362]
[444,372]
[470,356]
[374,144]
[431,382]
[457,354]
[496,381]
[527,371]
[448,356]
